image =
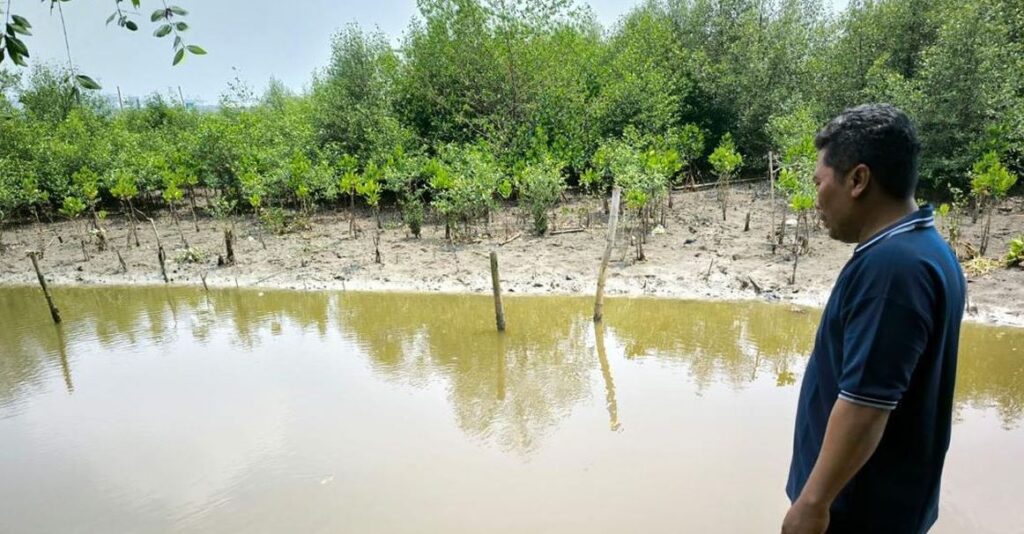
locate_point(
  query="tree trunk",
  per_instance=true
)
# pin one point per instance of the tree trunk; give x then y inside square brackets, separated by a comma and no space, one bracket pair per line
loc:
[177,225]
[134,223]
[81,239]
[988,228]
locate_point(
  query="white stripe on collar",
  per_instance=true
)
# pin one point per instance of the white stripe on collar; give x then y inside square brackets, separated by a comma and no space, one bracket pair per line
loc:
[913,224]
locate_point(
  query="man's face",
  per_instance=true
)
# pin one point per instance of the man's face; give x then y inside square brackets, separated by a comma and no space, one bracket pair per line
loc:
[834,203]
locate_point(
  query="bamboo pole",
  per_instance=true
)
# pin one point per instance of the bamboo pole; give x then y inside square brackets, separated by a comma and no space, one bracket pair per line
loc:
[613,221]
[499,309]
[54,312]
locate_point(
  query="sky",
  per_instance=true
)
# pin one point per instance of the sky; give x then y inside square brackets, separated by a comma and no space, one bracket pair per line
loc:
[251,39]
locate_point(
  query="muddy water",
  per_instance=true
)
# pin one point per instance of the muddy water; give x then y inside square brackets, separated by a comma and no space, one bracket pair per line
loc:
[155,410]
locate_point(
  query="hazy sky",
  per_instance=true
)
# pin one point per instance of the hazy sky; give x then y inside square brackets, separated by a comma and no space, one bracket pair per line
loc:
[260,38]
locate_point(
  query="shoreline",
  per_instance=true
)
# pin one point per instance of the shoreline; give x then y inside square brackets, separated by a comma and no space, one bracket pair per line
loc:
[695,257]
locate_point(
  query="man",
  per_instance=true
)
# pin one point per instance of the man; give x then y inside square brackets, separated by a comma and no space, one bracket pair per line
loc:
[875,409]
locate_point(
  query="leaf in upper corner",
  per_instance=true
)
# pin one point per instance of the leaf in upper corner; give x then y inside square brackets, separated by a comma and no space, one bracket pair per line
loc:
[162,30]
[178,57]
[157,15]
[197,50]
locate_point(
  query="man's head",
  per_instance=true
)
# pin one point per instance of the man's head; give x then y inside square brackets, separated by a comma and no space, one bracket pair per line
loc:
[867,159]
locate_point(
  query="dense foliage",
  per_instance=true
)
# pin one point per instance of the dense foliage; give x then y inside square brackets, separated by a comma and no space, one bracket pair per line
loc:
[487,100]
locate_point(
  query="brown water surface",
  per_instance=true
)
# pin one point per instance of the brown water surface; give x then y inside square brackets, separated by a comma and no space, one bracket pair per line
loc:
[157,410]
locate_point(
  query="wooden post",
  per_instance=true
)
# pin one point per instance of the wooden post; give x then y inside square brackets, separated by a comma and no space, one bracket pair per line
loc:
[163,258]
[613,221]
[499,309]
[771,193]
[229,244]
[181,96]
[160,255]
[54,312]
[746,225]
[124,266]
[120,103]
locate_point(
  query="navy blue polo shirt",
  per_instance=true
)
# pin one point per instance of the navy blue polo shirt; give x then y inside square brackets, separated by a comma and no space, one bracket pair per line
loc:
[888,339]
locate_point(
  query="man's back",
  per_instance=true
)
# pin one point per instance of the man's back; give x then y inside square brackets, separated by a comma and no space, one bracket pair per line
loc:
[888,340]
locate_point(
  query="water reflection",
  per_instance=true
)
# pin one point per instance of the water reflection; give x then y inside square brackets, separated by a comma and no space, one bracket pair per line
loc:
[510,389]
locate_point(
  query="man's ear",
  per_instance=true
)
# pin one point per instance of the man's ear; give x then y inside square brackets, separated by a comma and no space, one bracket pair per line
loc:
[859,180]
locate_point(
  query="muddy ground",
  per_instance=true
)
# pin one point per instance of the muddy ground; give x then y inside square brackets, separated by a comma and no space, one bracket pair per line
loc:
[694,256]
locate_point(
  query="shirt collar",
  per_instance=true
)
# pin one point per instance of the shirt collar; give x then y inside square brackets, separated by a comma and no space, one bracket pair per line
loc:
[922,218]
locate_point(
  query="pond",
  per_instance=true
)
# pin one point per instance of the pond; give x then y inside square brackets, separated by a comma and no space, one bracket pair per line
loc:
[169,409]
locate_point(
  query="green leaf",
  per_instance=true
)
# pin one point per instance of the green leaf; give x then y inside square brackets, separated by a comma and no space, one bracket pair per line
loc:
[20,21]
[178,11]
[15,45]
[157,15]
[18,59]
[177,41]
[162,30]
[111,17]
[181,26]
[197,50]
[87,82]
[178,57]
[131,25]
[17,29]
[136,3]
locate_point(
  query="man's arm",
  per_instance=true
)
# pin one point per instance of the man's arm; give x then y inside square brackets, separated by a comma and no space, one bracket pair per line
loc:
[851,437]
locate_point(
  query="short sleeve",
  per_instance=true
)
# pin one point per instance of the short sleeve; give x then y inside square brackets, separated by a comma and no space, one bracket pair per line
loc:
[887,327]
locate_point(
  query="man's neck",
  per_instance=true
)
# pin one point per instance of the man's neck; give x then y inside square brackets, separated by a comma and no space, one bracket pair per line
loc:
[884,216]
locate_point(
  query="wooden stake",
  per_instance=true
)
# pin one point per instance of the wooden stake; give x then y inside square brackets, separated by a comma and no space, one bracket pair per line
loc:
[771,193]
[124,266]
[54,312]
[613,221]
[499,309]
[160,255]
[746,225]
[120,102]
[229,244]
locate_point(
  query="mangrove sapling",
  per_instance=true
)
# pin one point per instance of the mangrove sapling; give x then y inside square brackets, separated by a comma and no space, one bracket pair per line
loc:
[990,181]
[124,189]
[540,187]
[726,161]
[72,208]
[173,194]
[87,183]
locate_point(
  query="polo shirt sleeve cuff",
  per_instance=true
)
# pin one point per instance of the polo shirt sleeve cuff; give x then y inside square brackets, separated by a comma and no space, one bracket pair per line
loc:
[881,404]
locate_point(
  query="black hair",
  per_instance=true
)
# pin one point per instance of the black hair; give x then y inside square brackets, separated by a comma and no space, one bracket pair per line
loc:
[880,136]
